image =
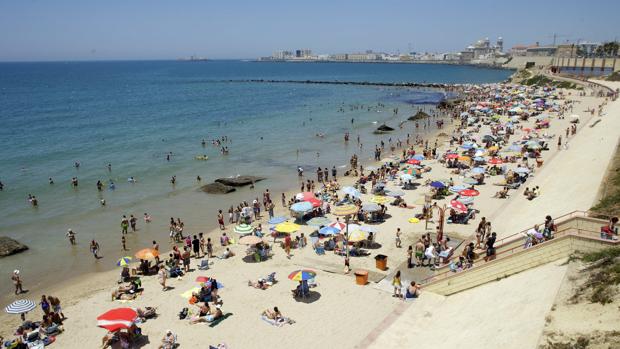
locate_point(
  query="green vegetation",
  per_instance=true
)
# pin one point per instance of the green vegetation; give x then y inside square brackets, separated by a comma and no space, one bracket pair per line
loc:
[541,80]
[615,76]
[609,204]
[603,277]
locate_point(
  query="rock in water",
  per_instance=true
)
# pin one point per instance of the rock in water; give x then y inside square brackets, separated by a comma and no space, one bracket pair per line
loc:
[217,188]
[239,181]
[9,246]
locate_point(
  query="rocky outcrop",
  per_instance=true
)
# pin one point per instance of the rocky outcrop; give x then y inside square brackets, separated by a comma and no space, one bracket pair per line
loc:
[9,246]
[217,188]
[239,181]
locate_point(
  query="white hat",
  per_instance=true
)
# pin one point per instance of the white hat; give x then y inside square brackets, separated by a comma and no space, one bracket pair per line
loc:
[16,271]
[218,306]
[168,331]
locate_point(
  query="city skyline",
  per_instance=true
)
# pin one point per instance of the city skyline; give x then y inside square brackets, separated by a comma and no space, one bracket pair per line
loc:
[71,30]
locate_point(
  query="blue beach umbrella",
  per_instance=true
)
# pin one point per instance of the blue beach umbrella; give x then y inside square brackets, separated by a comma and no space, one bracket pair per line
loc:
[351,191]
[522,170]
[457,188]
[478,170]
[406,177]
[329,231]
[437,184]
[277,220]
[418,157]
[20,306]
[303,206]
[479,159]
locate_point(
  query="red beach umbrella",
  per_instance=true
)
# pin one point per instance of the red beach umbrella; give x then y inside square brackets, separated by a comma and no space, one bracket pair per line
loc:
[117,319]
[203,279]
[305,196]
[469,192]
[452,156]
[495,161]
[413,162]
[457,205]
[315,202]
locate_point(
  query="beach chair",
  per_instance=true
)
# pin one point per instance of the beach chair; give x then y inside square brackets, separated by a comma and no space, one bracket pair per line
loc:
[204,264]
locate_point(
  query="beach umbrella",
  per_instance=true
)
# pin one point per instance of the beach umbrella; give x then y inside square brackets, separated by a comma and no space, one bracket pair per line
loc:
[188,294]
[413,220]
[515,148]
[495,161]
[522,170]
[457,188]
[470,180]
[318,221]
[202,279]
[452,156]
[395,193]
[418,157]
[329,231]
[457,205]
[147,253]
[413,162]
[372,207]
[287,227]
[123,261]
[344,210]
[379,199]
[243,229]
[351,227]
[20,306]
[478,170]
[304,196]
[117,319]
[464,158]
[406,177]
[338,225]
[277,220]
[368,229]
[479,159]
[437,184]
[302,275]
[301,207]
[409,171]
[314,202]
[250,240]
[469,192]
[465,199]
[357,235]
[351,191]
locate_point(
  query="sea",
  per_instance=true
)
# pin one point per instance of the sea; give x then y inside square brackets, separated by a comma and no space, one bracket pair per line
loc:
[132,115]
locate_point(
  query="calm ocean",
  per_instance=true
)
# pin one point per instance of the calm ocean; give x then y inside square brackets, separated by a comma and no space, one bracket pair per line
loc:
[131,114]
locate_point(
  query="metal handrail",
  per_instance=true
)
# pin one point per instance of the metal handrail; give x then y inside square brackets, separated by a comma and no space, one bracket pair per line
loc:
[564,232]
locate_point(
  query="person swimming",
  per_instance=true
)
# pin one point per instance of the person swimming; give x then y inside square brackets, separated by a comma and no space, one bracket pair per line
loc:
[111,186]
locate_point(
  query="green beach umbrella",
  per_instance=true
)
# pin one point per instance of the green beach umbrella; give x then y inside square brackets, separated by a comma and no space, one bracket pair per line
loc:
[244,229]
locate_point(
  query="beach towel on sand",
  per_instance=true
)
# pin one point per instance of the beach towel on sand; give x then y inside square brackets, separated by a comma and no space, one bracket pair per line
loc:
[217,321]
[276,323]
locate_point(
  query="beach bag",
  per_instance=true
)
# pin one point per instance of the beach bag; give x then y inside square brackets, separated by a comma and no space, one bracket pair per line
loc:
[183,313]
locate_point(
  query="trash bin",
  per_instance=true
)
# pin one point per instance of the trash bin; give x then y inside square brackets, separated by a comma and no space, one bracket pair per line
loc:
[361,277]
[381,262]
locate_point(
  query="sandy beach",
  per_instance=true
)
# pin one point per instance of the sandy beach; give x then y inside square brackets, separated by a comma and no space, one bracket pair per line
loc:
[339,313]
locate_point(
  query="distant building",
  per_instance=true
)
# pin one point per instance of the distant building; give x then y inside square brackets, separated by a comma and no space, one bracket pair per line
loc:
[482,49]
[541,51]
[518,50]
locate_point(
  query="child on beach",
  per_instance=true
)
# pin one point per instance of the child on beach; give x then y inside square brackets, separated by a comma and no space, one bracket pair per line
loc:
[397,285]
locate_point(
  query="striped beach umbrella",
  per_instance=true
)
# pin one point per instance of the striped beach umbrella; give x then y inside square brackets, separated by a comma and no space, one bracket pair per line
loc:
[20,306]
[117,319]
[344,210]
[301,275]
[329,231]
[243,229]
[338,225]
[410,171]
[123,261]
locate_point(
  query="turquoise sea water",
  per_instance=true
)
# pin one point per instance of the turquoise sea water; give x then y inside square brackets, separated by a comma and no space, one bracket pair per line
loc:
[131,114]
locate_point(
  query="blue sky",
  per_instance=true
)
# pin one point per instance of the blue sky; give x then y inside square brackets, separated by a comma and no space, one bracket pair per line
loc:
[158,29]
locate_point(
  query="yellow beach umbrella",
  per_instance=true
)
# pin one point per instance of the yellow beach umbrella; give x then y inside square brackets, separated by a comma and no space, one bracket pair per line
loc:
[344,210]
[287,227]
[493,148]
[357,235]
[147,253]
[379,199]
[414,220]
[464,158]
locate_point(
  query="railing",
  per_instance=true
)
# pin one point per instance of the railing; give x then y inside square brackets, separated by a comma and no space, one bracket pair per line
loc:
[579,231]
[517,236]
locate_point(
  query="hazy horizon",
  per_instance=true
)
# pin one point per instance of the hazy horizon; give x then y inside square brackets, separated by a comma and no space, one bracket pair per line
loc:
[69,30]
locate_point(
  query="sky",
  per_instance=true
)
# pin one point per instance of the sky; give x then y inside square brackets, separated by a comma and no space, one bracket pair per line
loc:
[41,30]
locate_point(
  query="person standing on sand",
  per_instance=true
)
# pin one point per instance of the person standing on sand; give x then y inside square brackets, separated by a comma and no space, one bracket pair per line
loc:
[196,246]
[209,248]
[410,257]
[220,219]
[71,236]
[124,225]
[397,285]
[123,243]
[202,243]
[287,245]
[156,248]
[17,282]
[398,241]
[94,248]
[162,276]
[283,200]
